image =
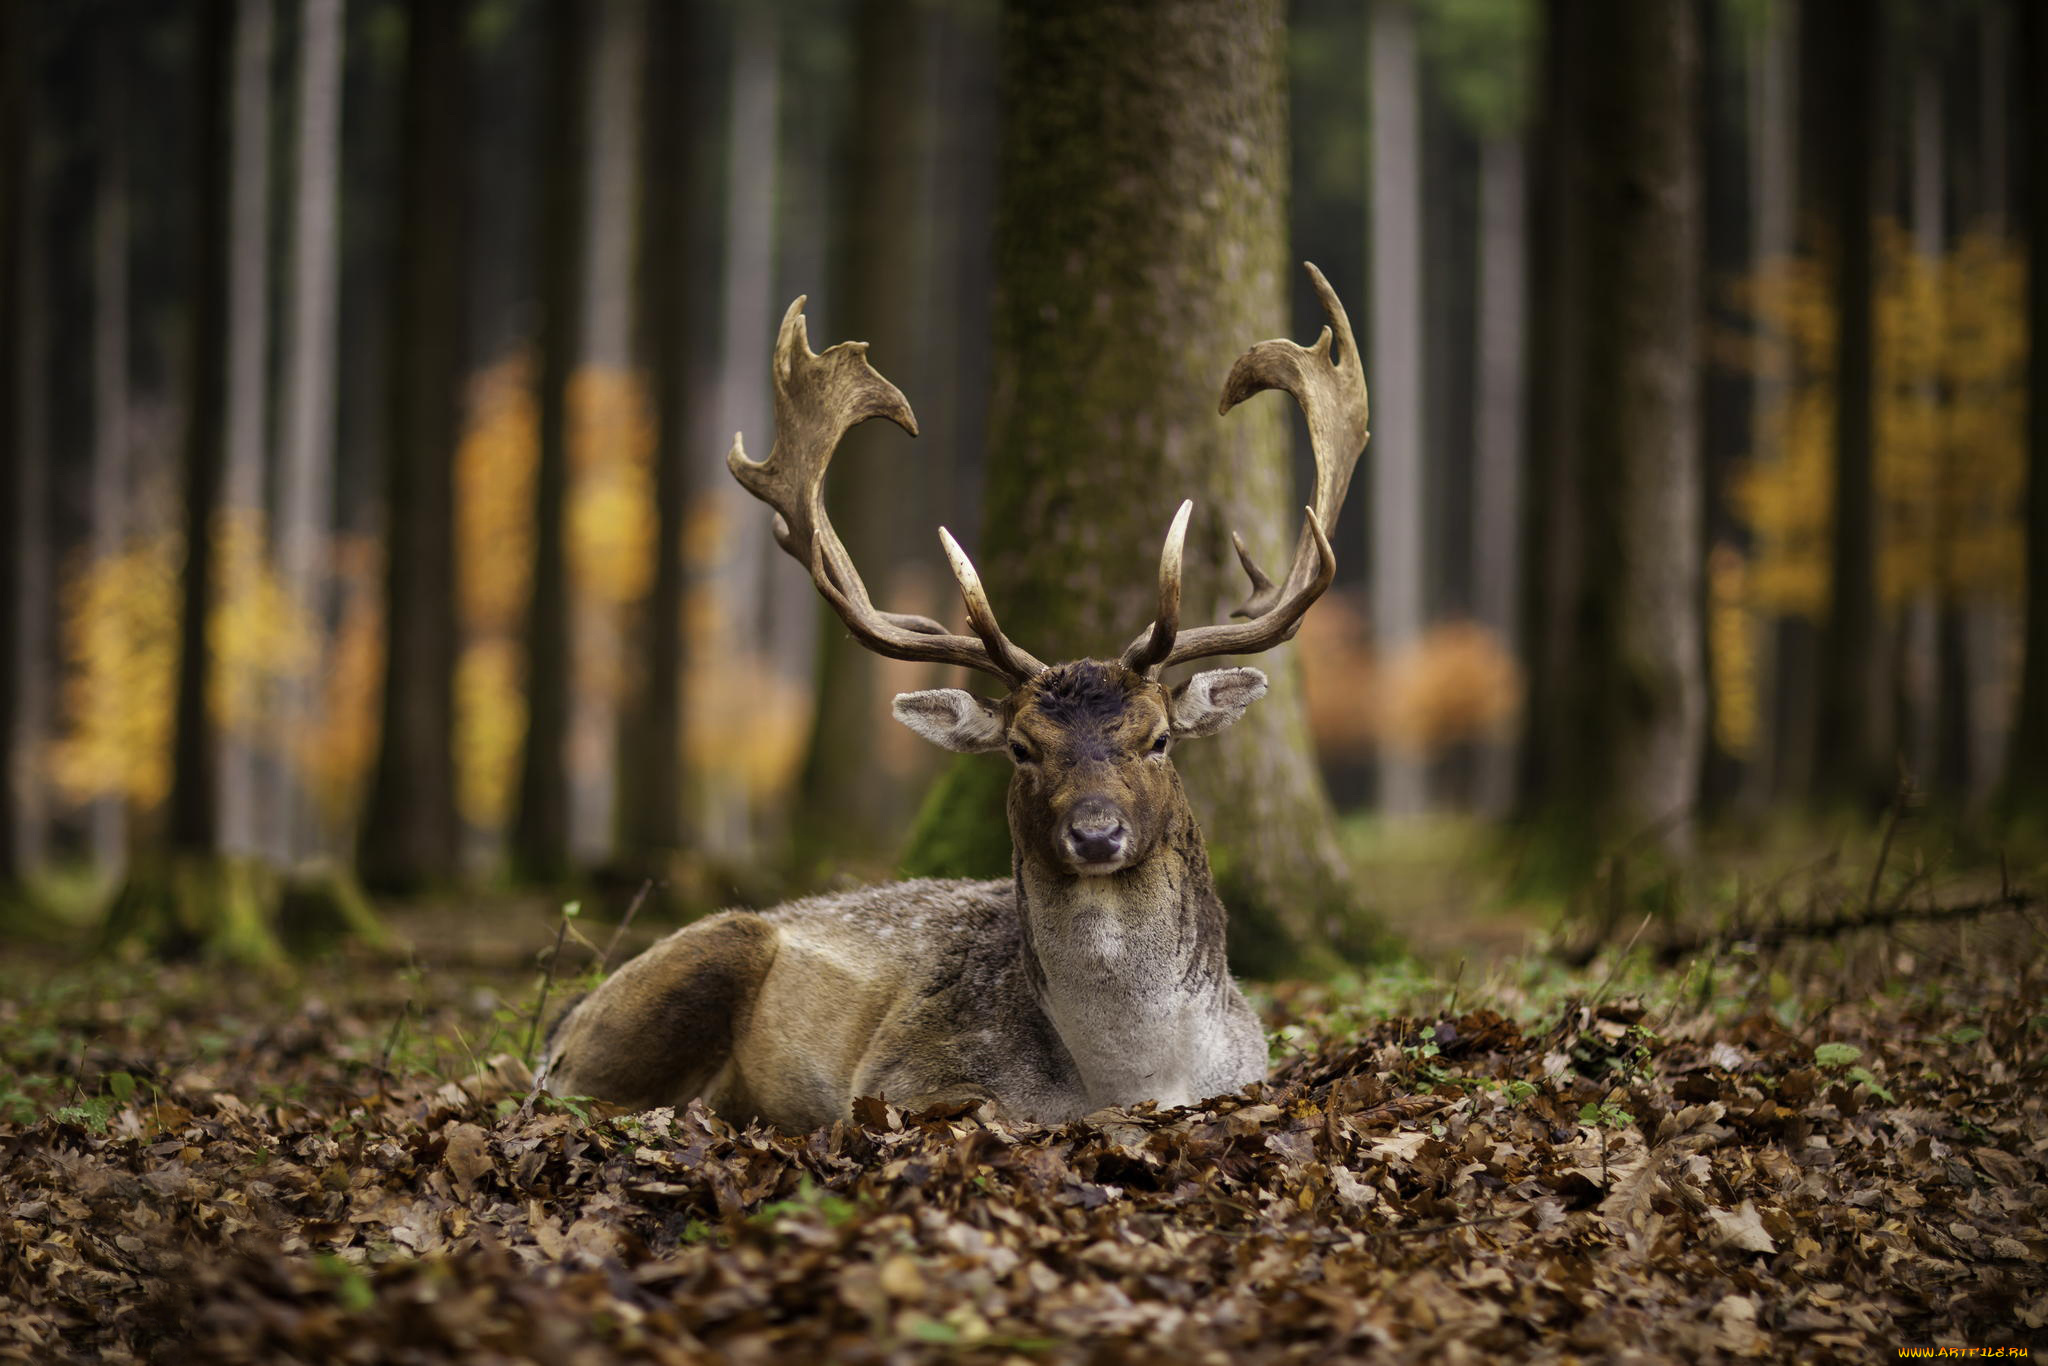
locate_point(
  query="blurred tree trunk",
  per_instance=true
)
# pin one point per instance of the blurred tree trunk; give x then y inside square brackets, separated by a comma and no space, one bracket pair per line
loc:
[27,520]
[248,347]
[600,647]
[111,477]
[1774,151]
[1627,698]
[847,800]
[1394,365]
[2026,771]
[409,837]
[195,900]
[305,492]
[16,138]
[1140,248]
[1846,769]
[1552,531]
[651,757]
[540,831]
[748,309]
[1502,406]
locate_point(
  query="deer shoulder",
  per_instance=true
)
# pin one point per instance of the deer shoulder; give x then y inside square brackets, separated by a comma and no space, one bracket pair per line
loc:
[1096,974]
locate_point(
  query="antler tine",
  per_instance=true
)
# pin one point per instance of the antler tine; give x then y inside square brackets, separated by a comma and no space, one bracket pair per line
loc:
[1015,662]
[1328,382]
[818,399]
[1149,651]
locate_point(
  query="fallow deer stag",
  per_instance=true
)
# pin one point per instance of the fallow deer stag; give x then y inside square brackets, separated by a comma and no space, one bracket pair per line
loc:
[1095,975]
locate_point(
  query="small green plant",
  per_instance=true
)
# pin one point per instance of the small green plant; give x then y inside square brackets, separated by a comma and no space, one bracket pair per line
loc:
[1836,1055]
[1599,1114]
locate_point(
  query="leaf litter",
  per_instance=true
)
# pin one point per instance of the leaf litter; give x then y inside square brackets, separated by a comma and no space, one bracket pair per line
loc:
[242,1175]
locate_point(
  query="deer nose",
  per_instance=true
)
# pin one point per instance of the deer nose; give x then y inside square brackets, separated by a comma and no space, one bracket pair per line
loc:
[1095,832]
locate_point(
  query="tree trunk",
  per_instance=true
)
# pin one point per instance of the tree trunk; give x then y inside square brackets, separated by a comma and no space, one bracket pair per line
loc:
[305,493]
[111,476]
[1394,363]
[1552,761]
[2026,771]
[1774,151]
[1628,700]
[1139,246]
[651,762]
[248,346]
[16,138]
[1846,768]
[27,516]
[1502,393]
[749,309]
[540,831]
[409,836]
[847,801]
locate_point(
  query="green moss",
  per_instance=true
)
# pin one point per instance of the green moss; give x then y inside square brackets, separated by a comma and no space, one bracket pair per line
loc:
[961,829]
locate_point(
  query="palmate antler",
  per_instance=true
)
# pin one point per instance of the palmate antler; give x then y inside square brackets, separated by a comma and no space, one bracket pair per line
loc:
[1331,390]
[818,399]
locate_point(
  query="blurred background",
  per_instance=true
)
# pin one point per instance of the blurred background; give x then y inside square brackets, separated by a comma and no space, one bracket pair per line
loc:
[1696,332]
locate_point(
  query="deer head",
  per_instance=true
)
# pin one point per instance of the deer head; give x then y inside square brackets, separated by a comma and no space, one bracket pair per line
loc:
[1094,788]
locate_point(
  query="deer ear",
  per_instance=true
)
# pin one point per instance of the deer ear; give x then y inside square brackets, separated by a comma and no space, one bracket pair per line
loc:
[1211,700]
[952,718]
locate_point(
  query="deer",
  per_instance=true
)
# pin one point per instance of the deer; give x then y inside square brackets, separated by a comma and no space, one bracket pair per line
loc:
[1095,976]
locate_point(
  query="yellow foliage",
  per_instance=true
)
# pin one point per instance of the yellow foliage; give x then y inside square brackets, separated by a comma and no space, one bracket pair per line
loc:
[1950,350]
[120,637]
[1731,650]
[609,526]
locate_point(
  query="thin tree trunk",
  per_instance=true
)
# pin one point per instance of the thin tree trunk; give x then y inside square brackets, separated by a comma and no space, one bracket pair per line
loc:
[17,33]
[600,650]
[1846,769]
[409,836]
[540,832]
[31,511]
[651,765]
[194,824]
[111,478]
[248,342]
[1773,195]
[749,310]
[1502,342]
[1120,307]
[1394,361]
[2026,769]
[305,494]
[847,800]
[1637,709]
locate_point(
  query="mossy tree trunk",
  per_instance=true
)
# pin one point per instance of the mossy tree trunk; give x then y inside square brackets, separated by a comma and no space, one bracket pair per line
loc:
[1140,248]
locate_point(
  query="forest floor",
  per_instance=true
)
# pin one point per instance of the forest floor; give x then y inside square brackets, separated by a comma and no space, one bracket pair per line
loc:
[1836,1150]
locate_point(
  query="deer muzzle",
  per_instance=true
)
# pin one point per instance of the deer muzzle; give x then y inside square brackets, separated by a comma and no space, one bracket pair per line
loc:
[1094,837]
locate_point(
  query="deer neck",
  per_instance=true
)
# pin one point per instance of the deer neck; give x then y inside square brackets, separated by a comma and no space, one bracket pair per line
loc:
[1130,967]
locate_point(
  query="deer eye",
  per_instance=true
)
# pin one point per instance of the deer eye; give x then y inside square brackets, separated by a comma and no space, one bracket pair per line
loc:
[1159,744]
[1019,753]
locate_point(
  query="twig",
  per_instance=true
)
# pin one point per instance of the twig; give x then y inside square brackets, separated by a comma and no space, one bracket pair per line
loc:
[1614,968]
[619,933]
[1782,933]
[391,1039]
[540,1006]
[1884,845]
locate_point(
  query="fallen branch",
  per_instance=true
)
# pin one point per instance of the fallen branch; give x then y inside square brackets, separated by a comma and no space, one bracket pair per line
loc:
[1785,931]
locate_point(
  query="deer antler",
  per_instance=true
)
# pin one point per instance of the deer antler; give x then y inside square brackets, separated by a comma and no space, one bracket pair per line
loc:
[818,399]
[1331,391]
